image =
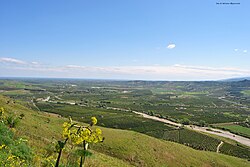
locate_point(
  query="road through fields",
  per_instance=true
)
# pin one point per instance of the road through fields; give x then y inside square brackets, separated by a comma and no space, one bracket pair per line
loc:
[218,132]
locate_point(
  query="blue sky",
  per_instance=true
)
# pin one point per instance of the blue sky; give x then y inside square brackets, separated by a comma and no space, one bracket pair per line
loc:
[125,39]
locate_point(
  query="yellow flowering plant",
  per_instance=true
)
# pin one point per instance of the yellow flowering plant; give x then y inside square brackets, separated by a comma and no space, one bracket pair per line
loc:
[2,117]
[13,150]
[80,136]
[93,121]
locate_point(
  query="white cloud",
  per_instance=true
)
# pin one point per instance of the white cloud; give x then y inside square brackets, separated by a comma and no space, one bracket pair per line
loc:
[15,67]
[11,60]
[34,62]
[171,46]
[235,50]
[245,51]
[154,72]
[74,66]
[222,70]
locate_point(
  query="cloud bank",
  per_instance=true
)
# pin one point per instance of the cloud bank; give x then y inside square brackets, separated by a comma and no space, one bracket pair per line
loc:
[11,60]
[18,68]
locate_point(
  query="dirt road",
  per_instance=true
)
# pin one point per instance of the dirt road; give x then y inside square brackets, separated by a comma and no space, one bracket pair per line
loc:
[219,146]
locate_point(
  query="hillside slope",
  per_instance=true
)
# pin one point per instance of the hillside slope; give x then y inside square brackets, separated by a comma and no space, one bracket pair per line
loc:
[120,148]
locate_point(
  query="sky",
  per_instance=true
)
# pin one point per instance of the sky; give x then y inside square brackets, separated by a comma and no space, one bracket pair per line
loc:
[125,39]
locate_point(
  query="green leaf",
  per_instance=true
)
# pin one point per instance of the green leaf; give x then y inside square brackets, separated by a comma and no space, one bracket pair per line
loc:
[83,153]
[61,144]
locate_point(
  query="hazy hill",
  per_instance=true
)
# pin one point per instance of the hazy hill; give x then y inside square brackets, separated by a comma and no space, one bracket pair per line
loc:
[236,79]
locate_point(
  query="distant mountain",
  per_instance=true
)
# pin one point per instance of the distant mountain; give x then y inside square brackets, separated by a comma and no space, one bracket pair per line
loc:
[236,79]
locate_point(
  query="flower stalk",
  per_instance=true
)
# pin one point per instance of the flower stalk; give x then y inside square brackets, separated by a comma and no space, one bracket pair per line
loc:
[80,136]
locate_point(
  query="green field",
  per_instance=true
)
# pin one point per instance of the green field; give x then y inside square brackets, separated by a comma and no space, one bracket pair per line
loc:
[237,129]
[246,92]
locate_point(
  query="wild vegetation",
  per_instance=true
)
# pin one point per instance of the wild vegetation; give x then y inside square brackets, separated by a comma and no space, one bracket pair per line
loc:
[13,151]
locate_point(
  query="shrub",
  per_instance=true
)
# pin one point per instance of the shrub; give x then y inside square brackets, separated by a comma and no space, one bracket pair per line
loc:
[13,152]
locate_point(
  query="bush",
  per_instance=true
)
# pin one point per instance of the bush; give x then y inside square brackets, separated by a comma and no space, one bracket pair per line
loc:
[13,152]
[185,121]
[12,121]
[202,123]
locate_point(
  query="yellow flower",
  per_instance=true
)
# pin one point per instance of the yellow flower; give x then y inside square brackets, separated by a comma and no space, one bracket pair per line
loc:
[1,112]
[75,138]
[66,131]
[70,120]
[98,131]
[93,121]
[80,134]
[3,146]
[66,128]
[13,130]
[11,157]
[66,125]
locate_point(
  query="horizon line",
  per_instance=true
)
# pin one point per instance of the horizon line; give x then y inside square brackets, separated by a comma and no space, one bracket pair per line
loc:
[110,79]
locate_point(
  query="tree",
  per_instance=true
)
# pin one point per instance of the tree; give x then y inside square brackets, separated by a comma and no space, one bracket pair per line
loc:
[202,123]
[185,121]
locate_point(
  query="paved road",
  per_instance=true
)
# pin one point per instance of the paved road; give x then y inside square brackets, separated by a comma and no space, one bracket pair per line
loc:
[157,118]
[218,132]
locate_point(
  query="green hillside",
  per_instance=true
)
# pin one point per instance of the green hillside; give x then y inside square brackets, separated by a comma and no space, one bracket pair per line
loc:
[120,148]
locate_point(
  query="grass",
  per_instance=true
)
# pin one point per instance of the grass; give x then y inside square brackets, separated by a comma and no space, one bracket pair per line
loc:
[246,92]
[13,146]
[128,145]
[121,147]
[237,129]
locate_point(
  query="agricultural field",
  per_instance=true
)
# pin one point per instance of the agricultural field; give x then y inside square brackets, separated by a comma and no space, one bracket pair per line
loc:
[113,103]
[237,129]
[246,92]
[211,102]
